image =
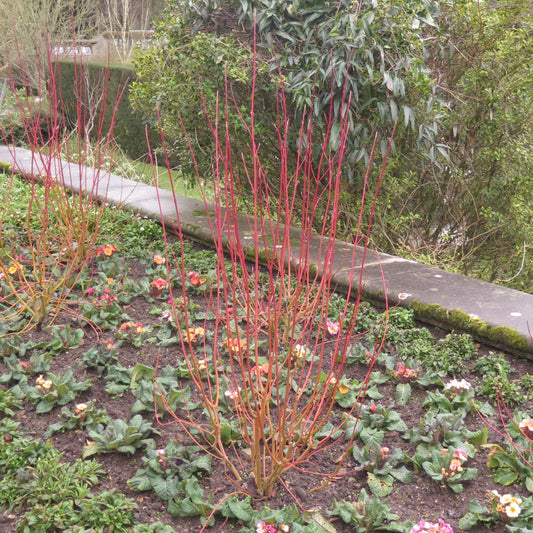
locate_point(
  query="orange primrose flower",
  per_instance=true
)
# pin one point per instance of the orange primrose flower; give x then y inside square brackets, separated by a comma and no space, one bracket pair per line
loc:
[108,250]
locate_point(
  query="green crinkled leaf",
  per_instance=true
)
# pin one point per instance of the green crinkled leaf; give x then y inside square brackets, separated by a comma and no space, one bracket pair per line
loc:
[374,394]
[428,379]
[529,483]
[204,463]
[126,449]
[378,378]
[485,409]
[202,315]
[456,487]
[138,406]
[402,474]
[240,509]
[191,488]
[113,389]
[20,391]
[403,393]
[54,428]
[468,521]
[432,470]
[347,400]
[90,450]
[165,489]
[141,372]
[372,437]
[179,507]
[480,437]
[475,507]
[398,527]
[505,477]
[141,482]
[468,474]
[168,342]
[67,397]
[398,425]
[44,406]
[380,486]
[321,524]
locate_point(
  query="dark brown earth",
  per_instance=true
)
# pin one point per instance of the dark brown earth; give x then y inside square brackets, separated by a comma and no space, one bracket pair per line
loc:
[423,498]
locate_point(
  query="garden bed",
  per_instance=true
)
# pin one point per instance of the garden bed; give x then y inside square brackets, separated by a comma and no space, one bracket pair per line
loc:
[407,415]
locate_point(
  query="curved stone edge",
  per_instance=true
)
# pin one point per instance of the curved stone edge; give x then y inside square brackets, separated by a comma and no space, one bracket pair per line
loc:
[456,320]
[498,336]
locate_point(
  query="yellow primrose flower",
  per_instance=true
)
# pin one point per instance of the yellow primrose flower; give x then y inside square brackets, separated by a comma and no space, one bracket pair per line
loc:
[191,335]
[505,499]
[14,268]
[43,385]
[512,510]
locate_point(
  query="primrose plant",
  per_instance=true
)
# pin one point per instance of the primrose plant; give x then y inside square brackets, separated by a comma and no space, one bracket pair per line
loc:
[447,467]
[275,349]
[51,390]
[513,462]
[512,509]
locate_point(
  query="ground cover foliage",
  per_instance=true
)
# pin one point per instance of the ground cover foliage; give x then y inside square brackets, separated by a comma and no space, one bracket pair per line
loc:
[82,448]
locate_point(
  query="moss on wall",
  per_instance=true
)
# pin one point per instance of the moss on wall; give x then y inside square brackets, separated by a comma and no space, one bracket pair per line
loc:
[501,337]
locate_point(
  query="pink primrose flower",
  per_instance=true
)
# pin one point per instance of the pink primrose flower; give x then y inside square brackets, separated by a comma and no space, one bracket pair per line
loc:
[427,527]
[195,278]
[136,327]
[167,315]
[526,425]
[263,527]
[332,327]
[159,284]
[404,374]
[232,394]
[460,454]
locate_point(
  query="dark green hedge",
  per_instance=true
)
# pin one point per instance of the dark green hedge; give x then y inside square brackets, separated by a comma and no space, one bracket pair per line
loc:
[77,81]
